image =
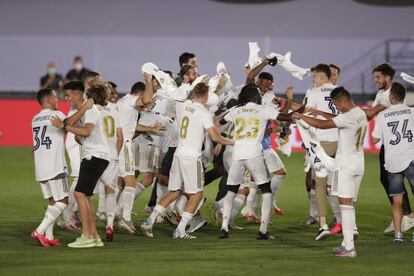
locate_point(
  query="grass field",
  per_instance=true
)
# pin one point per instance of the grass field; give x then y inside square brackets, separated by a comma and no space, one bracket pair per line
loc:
[293,252]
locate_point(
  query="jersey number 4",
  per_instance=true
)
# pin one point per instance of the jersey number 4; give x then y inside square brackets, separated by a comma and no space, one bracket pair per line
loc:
[406,134]
[43,140]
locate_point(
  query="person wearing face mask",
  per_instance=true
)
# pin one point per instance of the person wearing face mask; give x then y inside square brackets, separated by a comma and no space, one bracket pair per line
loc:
[52,80]
[78,72]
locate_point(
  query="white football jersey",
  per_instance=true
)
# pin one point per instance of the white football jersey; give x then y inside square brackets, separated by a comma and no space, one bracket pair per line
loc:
[110,118]
[164,104]
[395,126]
[95,144]
[382,98]
[193,119]
[149,119]
[128,115]
[73,149]
[48,145]
[352,126]
[320,98]
[267,98]
[250,124]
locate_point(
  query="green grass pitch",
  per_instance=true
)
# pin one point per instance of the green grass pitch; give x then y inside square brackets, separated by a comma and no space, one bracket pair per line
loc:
[293,252]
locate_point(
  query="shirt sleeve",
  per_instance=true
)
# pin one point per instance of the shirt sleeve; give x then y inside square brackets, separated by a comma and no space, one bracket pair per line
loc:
[385,99]
[61,115]
[117,120]
[229,116]
[310,100]
[377,99]
[271,113]
[207,120]
[91,116]
[343,121]
[377,132]
[132,100]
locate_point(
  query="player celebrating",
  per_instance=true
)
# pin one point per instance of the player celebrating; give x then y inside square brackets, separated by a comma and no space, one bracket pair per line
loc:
[95,156]
[395,127]
[250,120]
[128,108]
[186,175]
[113,133]
[50,165]
[352,125]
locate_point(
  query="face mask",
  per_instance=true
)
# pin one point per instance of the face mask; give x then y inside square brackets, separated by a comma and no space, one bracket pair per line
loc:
[78,66]
[51,71]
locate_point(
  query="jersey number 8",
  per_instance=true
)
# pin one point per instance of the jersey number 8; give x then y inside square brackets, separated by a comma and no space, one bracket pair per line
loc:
[184,127]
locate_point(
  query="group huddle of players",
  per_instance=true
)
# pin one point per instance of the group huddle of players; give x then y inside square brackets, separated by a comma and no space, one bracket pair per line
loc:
[171,129]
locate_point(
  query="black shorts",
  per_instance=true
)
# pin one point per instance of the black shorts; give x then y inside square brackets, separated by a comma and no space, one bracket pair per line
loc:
[167,162]
[219,158]
[89,173]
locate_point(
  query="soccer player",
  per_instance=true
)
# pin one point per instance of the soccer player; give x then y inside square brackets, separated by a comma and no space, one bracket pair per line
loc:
[335,73]
[186,58]
[73,148]
[186,175]
[95,156]
[113,133]
[395,126]
[50,164]
[188,75]
[274,165]
[319,98]
[128,108]
[352,125]
[383,77]
[250,120]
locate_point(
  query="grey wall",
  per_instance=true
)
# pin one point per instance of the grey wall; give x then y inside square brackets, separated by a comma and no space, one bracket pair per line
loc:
[116,37]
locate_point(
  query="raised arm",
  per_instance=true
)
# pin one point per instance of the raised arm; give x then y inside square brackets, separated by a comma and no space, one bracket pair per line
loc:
[251,76]
[148,92]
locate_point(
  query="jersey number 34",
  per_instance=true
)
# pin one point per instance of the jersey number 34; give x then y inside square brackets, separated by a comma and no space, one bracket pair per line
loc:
[43,140]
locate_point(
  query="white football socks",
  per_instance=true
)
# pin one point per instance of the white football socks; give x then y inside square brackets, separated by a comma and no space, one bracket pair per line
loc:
[334,202]
[49,232]
[158,210]
[52,213]
[110,207]
[313,209]
[128,201]
[185,219]
[251,201]
[348,224]
[275,184]
[139,189]
[101,193]
[227,206]
[180,204]
[72,205]
[237,205]
[161,191]
[266,211]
